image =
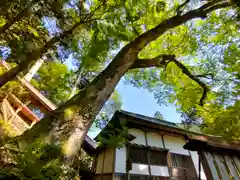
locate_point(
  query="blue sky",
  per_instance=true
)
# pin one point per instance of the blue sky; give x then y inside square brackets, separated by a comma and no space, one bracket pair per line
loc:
[137,101]
[142,102]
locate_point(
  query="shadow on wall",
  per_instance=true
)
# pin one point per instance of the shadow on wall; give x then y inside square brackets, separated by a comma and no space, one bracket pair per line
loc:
[85,175]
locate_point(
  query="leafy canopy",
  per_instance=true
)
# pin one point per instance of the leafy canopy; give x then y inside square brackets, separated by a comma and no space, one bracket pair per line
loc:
[207,48]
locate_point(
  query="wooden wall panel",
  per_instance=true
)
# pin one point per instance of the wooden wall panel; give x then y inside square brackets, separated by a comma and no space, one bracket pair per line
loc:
[108,161]
[209,166]
[221,165]
[229,162]
[100,163]
[236,163]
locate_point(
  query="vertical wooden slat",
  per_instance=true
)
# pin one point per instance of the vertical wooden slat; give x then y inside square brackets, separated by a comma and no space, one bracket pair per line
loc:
[95,164]
[222,167]
[114,161]
[169,160]
[127,157]
[4,111]
[229,162]
[208,166]
[236,164]
[199,167]
[148,154]
[163,142]
[192,171]
[237,161]
[103,164]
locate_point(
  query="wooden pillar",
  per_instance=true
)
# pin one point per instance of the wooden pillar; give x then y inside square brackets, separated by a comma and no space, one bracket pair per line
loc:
[169,160]
[103,165]
[127,161]
[113,164]
[32,71]
[148,154]
[199,167]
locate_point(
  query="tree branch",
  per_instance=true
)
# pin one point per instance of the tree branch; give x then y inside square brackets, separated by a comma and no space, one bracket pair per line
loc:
[205,76]
[33,56]
[217,6]
[88,102]
[158,61]
[17,18]
[149,36]
[179,8]
[163,60]
[194,78]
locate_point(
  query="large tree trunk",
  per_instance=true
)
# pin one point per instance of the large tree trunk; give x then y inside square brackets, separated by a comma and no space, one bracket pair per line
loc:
[68,125]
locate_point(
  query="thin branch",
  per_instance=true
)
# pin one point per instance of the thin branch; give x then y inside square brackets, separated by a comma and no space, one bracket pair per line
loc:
[158,61]
[149,36]
[205,76]
[179,8]
[217,6]
[194,78]
[74,89]
[162,61]
[165,67]
[33,56]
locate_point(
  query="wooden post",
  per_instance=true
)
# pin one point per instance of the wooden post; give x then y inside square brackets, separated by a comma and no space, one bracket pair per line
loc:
[103,164]
[169,160]
[32,71]
[199,167]
[114,161]
[209,165]
[148,154]
[127,158]
[231,167]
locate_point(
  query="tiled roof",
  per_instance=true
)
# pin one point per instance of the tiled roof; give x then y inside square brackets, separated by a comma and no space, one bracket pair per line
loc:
[209,140]
[153,122]
[150,119]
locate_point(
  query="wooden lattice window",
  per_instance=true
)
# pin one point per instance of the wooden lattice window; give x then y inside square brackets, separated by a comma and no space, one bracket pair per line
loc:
[184,165]
[158,158]
[138,155]
[177,160]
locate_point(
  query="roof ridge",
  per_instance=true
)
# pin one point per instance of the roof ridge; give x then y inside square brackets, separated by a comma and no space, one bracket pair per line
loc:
[148,117]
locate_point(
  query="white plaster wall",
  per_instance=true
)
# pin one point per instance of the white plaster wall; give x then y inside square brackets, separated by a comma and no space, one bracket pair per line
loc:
[195,158]
[139,169]
[120,160]
[140,136]
[108,161]
[159,171]
[175,144]
[99,163]
[154,140]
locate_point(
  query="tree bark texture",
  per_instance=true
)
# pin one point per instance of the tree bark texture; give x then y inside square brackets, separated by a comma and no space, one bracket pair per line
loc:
[68,125]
